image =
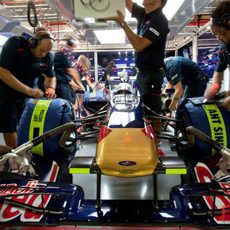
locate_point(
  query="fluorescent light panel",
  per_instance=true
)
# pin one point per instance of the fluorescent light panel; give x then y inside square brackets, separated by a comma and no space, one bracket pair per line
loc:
[171,7]
[3,39]
[169,10]
[110,36]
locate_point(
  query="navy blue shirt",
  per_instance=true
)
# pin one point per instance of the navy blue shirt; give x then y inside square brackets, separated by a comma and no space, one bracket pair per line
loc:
[109,71]
[153,26]
[224,58]
[181,69]
[17,58]
[62,61]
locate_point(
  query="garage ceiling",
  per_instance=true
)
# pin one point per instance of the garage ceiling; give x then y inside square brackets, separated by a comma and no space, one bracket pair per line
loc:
[58,17]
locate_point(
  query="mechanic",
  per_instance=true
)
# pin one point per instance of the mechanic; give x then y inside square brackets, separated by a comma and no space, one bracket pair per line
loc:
[68,78]
[149,44]
[186,77]
[109,70]
[220,26]
[84,66]
[22,61]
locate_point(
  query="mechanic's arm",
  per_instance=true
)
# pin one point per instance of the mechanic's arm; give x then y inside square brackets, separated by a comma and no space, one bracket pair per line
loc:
[50,86]
[108,77]
[176,96]
[216,85]
[138,43]
[168,86]
[73,73]
[88,81]
[218,77]
[74,86]
[9,79]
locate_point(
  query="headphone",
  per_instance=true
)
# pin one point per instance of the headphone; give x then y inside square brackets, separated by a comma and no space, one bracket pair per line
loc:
[34,41]
[223,21]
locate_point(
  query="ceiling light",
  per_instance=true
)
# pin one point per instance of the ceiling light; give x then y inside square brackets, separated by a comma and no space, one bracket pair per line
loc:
[89,20]
[3,39]
[170,9]
[110,36]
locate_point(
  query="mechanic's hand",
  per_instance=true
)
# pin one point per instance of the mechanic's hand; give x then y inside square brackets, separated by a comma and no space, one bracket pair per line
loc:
[171,108]
[119,18]
[226,103]
[223,164]
[82,87]
[35,93]
[211,92]
[50,93]
[74,86]
[5,149]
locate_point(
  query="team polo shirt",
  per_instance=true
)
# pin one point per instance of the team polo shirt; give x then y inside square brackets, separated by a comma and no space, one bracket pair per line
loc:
[17,58]
[109,71]
[62,61]
[224,58]
[181,69]
[153,26]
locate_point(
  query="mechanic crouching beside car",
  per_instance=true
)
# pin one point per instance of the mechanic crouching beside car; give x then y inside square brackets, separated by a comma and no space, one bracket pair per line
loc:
[186,77]
[22,62]
[220,26]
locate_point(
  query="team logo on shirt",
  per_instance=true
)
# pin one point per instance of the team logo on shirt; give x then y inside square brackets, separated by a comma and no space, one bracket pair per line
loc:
[174,76]
[154,31]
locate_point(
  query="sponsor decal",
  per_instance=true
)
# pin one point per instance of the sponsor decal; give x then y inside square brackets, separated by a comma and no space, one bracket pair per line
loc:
[10,212]
[127,163]
[174,77]
[217,125]
[154,31]
[37,123]
[226,187]
[203,174]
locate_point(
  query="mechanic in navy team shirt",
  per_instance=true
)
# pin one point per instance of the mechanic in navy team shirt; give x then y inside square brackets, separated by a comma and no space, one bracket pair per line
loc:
[109,71]
[68,78]
[220,26]
[149,44]
[186,77]
[22,62]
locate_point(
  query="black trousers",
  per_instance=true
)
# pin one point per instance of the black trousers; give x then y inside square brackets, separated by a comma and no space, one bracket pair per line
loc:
[149,85]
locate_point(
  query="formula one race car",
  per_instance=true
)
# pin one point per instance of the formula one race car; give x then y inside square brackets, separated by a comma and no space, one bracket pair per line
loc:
[126,123]
[30,197]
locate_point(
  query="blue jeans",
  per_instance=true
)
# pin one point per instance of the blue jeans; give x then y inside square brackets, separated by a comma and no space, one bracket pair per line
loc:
[65,91]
